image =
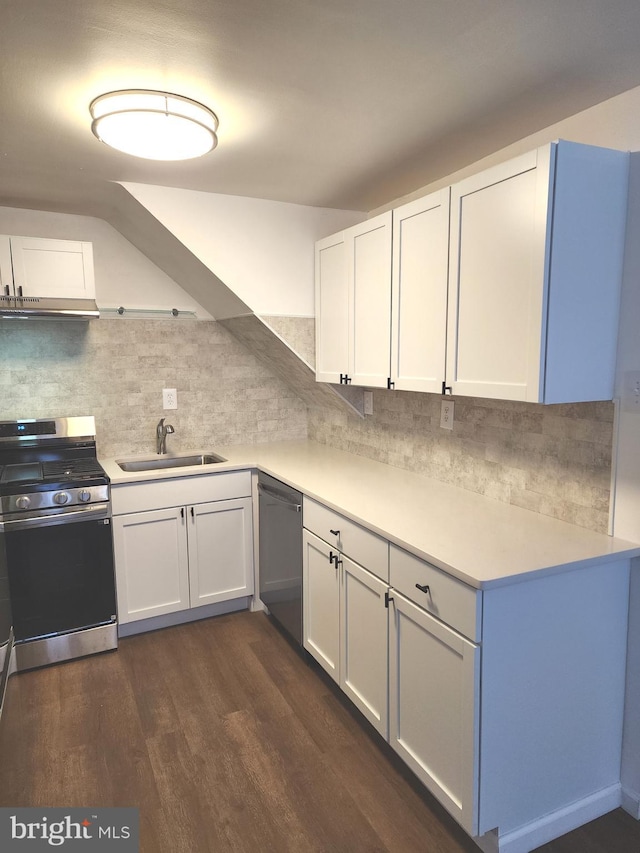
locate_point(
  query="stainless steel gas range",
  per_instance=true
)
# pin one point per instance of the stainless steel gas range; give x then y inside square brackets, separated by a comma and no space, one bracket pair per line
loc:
[55,540]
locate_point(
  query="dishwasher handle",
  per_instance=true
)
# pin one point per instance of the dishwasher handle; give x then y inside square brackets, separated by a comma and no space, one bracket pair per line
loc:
[280,497]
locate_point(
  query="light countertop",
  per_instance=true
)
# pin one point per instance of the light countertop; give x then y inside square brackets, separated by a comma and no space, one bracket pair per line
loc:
[481,541]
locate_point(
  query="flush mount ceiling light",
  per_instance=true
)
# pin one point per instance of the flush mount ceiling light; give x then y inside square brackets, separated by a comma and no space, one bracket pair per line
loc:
[154,125]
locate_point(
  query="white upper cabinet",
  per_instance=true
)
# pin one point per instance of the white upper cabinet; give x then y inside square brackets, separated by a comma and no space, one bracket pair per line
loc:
[505,286]
[369,276]
[353,304]
[46,268]
[6,270]
[332,309]
[536,263]
[419,293]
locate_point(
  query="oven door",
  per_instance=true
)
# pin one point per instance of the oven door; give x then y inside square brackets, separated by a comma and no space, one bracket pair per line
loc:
[61,575]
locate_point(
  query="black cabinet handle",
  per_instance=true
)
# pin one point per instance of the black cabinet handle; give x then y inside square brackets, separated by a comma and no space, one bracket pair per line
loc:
[193,514]
[181,512]
[331,556]
[424,588]
[335,532]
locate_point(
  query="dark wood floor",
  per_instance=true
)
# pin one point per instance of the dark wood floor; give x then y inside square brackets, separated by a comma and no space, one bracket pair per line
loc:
[226,739]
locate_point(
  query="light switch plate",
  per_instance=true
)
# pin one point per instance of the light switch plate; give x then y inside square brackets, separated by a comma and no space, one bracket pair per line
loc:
[446,414]
[169,398]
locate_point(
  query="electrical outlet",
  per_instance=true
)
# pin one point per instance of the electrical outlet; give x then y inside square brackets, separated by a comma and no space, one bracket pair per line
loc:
[368,402]
[169,398]
[446,414]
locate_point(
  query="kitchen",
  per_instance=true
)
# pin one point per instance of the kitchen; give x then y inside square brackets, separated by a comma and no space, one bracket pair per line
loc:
[115,368]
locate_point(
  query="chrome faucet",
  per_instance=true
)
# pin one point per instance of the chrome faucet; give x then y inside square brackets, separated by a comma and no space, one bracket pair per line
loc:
[162,431]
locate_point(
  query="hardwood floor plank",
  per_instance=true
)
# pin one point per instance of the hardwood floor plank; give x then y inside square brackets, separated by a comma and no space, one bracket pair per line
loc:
[313,811]
[229,740]
[183,800]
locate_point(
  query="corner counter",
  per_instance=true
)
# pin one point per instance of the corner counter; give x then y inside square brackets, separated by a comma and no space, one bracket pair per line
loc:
[482,542]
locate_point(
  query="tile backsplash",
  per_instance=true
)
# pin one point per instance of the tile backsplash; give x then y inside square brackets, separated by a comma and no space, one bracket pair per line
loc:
[555,460]
[116,368]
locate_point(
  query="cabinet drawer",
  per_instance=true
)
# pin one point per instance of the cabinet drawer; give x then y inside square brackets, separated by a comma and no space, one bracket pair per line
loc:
[179,491]
[361,545]
[448,599]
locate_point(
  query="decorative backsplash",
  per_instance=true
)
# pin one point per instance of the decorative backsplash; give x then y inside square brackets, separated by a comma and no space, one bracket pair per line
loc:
[115,369]
[555,460]
[298,332]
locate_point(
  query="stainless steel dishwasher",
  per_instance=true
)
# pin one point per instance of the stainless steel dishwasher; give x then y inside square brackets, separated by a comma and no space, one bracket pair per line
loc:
[280,510]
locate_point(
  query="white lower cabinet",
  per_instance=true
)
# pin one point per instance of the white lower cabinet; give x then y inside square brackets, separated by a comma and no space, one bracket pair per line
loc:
[363,643]
[220,540]
[152,563]
[402,643]
[345,626]
[170,558]
[321,604]
[506,702]
[434,706]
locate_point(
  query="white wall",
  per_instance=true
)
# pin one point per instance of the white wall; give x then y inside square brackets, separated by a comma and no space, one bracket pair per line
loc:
[262,250]
[124,276]
[612,124]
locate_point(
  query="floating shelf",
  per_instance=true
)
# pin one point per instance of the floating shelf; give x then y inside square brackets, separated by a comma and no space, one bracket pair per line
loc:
[148,313]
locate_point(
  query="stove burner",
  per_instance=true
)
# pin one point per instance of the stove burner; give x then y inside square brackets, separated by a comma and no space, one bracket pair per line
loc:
[76,468]
[27,472]
[49,466]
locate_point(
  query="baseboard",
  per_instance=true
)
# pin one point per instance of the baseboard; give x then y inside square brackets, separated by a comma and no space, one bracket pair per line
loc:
[631,802]
[128,629]
[551,826]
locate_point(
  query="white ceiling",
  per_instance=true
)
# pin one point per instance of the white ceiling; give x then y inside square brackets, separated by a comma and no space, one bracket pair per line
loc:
[333,103]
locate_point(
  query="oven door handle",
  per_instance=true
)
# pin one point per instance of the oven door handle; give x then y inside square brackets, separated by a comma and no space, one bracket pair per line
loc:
[95,512]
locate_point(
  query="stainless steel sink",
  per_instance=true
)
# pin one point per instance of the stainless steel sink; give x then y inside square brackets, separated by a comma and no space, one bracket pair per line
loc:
[159,463]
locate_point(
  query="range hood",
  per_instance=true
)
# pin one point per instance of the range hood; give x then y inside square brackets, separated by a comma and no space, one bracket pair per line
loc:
[35,307]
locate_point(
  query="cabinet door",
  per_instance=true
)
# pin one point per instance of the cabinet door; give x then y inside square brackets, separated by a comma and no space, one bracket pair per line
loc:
[321,604]
[364,643]
[498,286]
[419,293]
[6,270]
[53,268]
[369,271]
[152,575]
[434,707]
[220,537]
[332,309]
